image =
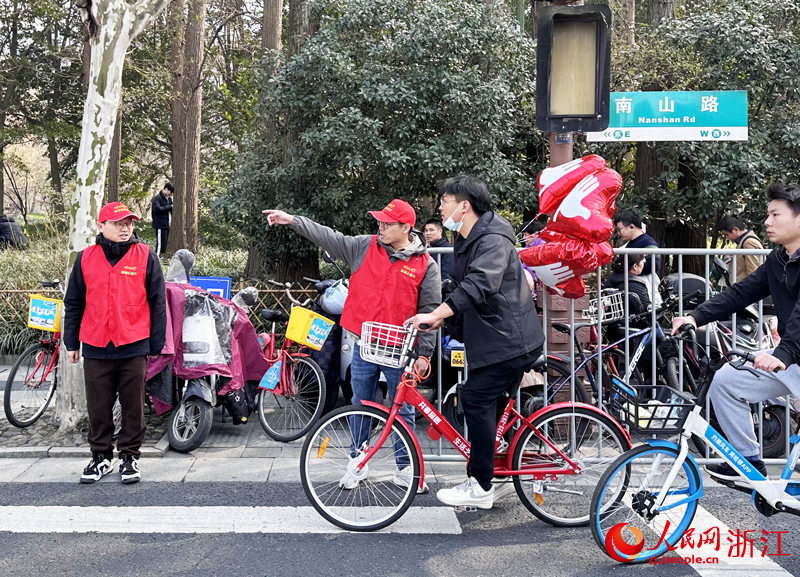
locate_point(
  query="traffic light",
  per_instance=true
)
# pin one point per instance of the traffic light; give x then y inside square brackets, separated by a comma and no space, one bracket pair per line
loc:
[573,61]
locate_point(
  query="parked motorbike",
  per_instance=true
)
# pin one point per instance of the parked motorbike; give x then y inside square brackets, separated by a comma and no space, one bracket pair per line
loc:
[211,354]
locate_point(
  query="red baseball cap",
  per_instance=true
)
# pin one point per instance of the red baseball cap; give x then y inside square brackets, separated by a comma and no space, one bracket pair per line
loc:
[115,211]
[396,211]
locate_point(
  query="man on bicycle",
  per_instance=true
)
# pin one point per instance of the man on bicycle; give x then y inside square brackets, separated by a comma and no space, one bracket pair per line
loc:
[779,276]
[491,311]
[115,309]
[393,277]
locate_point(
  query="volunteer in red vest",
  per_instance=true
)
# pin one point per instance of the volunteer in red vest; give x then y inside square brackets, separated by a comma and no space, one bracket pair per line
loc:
[393,278]
[115,316]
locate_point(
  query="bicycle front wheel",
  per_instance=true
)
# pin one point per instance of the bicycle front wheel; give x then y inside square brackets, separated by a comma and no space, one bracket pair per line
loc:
[30,386]
[625,520]
[365,500]
[287,417]
[592,439]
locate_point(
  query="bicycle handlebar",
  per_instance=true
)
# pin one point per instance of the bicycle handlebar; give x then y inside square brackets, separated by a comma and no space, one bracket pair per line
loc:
[668,304]
[287,287]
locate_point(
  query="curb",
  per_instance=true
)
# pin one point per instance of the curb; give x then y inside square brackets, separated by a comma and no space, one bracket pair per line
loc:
[160,449]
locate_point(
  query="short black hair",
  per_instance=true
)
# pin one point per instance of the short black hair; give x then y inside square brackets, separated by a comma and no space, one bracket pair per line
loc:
[435,222]
[629,217]
[619,262]
[532,227]
[169,187]
[730,222]
[464,187]
[789,193]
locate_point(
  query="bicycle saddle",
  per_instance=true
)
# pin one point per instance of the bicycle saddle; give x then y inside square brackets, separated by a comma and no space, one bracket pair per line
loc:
[539,364]
[564,327]
[274,315]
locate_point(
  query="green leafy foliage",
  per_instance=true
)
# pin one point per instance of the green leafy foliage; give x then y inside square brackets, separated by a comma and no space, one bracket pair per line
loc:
[387,98]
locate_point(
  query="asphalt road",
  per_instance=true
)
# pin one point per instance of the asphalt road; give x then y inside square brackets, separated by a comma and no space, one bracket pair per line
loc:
[507,540]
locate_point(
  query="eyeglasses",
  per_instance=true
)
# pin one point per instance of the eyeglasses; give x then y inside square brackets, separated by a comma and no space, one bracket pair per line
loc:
[123,224]
[385,225]
[444,201]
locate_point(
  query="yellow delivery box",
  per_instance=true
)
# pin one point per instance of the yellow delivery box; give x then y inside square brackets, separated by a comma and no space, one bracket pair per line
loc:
[308,328]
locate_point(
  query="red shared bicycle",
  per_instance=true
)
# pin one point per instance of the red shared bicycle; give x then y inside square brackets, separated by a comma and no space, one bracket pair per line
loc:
[555,457]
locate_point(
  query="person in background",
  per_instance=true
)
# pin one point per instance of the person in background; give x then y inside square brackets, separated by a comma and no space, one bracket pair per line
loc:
[530,233]
[630,229]
[736,231]
[115,316]
[434,234]
[639,298]
[162,217]
[11,235]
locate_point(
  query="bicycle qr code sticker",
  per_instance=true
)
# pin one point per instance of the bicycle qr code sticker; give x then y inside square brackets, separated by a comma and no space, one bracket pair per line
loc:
[270,379]
[44,314]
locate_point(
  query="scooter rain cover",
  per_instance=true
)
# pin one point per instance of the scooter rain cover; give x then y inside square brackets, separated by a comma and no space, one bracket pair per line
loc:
[206,334]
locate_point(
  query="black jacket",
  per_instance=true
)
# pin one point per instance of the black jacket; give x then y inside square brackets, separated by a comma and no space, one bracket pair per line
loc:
[161,210]
[779,276]
[447,259]
[75,303]
[11,234]
[636,286]
[495,316]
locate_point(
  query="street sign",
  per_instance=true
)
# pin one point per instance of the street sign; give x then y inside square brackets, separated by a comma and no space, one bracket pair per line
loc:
[683,116]
[220,286]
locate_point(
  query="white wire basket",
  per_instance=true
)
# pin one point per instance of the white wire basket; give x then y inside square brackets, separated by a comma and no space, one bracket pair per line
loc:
[385,345]
[612,303]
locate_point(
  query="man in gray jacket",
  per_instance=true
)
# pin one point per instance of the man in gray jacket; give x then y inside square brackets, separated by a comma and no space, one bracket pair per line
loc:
[393,278]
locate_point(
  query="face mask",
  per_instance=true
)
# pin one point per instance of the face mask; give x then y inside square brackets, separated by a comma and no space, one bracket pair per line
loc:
[453,225]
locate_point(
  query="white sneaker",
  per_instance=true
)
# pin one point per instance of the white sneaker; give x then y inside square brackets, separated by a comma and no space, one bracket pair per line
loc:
[503,489]
[403,477]
[469,493]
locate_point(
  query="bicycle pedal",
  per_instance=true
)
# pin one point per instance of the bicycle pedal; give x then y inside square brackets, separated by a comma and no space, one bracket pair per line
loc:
[465,509]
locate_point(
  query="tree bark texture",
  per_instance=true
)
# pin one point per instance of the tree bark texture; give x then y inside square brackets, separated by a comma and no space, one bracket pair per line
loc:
[115,161]
[660,11]
[177,25]
[5,103]
[113,24]
[272,25]
[627,18]
[193,80]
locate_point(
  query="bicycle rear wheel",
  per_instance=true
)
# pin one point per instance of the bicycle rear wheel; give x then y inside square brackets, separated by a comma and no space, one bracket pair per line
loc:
[592,439]
[328,461]
[624,504]
[288,417]
[30,386]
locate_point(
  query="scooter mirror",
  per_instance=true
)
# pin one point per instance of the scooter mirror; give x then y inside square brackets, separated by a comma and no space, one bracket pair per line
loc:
[327,257]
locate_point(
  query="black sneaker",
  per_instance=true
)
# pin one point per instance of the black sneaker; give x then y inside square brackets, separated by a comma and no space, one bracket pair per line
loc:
[726,472]
[129,469]
[97,468]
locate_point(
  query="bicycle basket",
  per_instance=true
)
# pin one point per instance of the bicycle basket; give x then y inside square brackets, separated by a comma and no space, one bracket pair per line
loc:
[386,345]
[650,409]
[613,306]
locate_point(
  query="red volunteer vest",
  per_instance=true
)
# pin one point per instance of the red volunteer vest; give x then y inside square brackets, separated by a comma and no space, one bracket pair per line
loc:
[116,297]
[382,291]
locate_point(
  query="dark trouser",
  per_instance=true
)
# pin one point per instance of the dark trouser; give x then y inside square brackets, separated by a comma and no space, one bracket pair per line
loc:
[162,236]
[104,379]
[484,387]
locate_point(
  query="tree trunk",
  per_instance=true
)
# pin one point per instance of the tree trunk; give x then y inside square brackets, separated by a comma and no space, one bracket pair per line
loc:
[193,79]
[292,268]
[177,26]
[113,25]
[660,11]
[55,176]
[5,103]
[115,161]
[272,25]
[627,16]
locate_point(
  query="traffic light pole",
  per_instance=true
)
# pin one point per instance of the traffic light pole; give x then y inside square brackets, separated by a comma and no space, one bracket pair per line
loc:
[560,148]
